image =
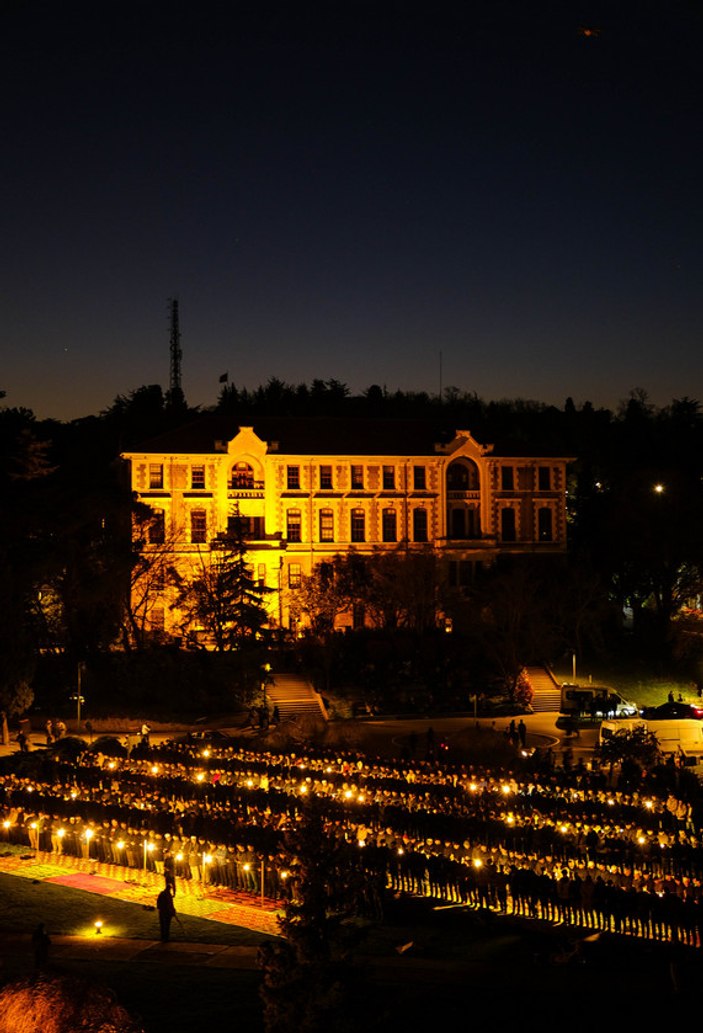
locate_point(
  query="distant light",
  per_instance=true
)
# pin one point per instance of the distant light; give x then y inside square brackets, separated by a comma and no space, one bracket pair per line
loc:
[659,489]
[98,927]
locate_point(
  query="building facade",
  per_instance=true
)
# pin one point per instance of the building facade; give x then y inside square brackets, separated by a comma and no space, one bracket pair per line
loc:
[307,490]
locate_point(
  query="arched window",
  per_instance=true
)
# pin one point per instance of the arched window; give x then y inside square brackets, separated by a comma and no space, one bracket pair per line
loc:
[293,525]
[545,531]
[358,525]
[420,525]
[389,525]
[462,475]
[508,530]
[326,525]
[242,476]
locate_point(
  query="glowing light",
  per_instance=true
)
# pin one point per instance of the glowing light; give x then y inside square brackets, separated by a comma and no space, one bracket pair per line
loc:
[206,753]
[303,788]
[477,862]
[250,782]
[284,875]
[564,829]
[659,488]
[98,927]
[347,794]
[649,804]
[641,840]
[179,856]
[120,844]
[112,765]
[510,819]
[6,824]
[505,789]
[61,833]
[200,777]
[207,858]
[154,769]
[88,834]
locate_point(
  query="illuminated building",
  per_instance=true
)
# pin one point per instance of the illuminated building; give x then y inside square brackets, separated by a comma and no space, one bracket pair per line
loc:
[304,490]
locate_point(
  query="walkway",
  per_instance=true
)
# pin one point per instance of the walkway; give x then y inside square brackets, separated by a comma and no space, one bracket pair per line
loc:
[216,903]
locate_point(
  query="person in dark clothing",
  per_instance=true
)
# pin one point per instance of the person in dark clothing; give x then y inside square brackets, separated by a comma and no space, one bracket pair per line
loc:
[40,945]
[167,912]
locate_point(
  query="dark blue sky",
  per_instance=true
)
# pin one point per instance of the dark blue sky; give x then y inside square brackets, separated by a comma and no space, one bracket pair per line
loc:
[347,190]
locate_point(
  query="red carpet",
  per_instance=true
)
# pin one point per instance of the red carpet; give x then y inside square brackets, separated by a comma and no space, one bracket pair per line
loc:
[92,883]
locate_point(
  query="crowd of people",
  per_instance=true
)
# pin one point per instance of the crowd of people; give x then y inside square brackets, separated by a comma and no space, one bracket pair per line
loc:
[541,842]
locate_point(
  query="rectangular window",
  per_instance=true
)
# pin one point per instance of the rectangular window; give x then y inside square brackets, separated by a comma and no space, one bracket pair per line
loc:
[157,528]
[326,478]
[293,478]
[388,478]
[156,476]
[358,525]
[419,478]
[507,479]
[545,531]
[326,525]
[389,523]
[293,525]
[261,575]
[198,526]
[357,478]
[420,525]
[197,477]
[158,618]
[508,531]
[295,576]
[544,478]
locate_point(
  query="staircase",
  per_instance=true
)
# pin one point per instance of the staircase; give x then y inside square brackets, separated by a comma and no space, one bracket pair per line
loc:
[294,696]
[547,691]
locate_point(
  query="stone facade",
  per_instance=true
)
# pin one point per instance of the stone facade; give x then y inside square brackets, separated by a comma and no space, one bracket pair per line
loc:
[307,490]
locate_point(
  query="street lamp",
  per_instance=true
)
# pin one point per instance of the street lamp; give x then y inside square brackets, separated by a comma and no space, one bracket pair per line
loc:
[148,847]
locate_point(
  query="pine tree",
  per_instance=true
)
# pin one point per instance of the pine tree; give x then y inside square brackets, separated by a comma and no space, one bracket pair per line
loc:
[307,978]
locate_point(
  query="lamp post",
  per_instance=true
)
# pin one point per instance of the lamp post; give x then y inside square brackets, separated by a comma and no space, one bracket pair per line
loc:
[148,847]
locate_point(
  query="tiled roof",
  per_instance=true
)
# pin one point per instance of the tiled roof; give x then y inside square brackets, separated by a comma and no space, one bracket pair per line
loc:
[315,436]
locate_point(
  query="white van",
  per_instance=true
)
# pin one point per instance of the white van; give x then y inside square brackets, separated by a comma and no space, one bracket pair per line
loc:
[596,700]
[672,736]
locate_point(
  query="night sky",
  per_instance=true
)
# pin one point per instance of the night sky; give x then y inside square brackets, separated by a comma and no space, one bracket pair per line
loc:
[349,190]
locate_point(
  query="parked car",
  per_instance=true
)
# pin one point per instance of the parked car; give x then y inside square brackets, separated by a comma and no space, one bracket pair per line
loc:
[673,712]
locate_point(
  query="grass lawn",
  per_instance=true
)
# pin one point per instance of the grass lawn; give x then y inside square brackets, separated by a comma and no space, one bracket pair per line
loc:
[643,689]
[460,963]
[179,998]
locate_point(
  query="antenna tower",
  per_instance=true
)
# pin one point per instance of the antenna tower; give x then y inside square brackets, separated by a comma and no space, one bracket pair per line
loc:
[175,391]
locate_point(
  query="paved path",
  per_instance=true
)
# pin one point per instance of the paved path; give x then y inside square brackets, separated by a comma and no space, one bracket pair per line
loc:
[216,903]
[116,948]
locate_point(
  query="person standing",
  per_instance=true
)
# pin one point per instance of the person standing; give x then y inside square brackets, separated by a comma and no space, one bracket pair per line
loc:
[167,912]
[40,945]
[522,733]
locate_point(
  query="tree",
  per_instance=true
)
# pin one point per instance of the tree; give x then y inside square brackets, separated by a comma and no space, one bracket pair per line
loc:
[306,984]
[638,746]
[223,596]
